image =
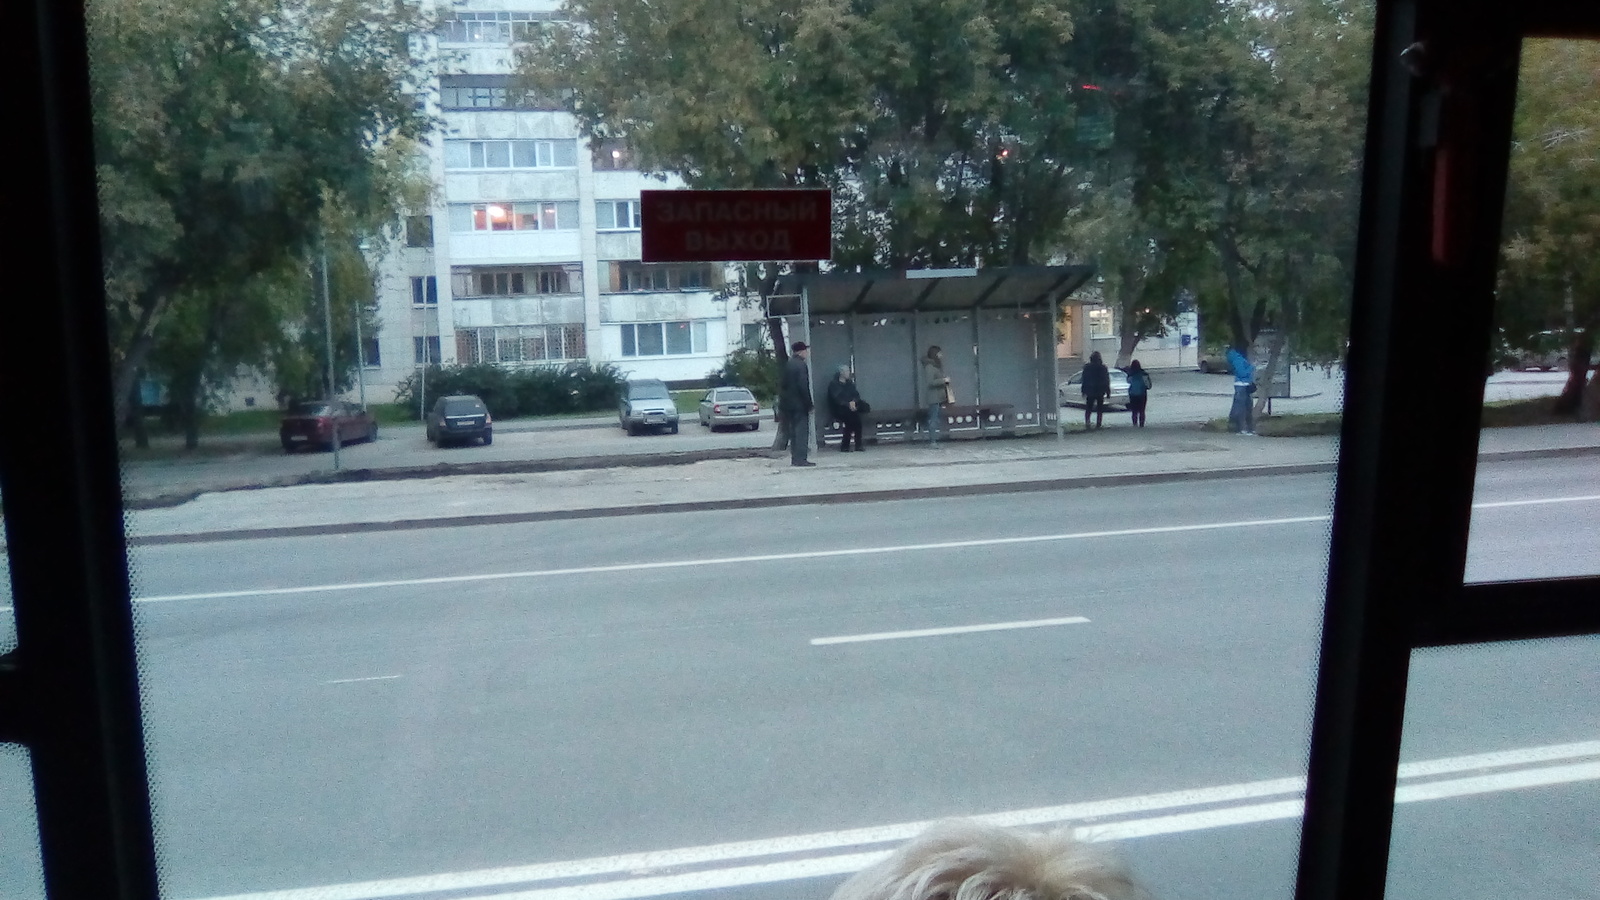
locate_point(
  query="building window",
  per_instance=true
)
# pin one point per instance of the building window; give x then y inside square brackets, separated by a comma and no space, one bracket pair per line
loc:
[1100,324]
[510,154]
[546,215]
[753,336]
[426,351]
[493,27]
[613,156]
[424,290]
[490,92]
[511,282]
[663,338]
[618,215]
[369,353]
[419,231]
[510,344]
[632,276]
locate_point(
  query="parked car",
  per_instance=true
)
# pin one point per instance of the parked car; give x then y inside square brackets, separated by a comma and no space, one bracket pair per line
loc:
[1072,391]
[312,424]
[1215,365]
[1547,350]
[647,404]
[461,417]
[730,406]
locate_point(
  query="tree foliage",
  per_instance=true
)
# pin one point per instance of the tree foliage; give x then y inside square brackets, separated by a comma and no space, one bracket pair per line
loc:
[1200,146]
[228,135]
[1550,272]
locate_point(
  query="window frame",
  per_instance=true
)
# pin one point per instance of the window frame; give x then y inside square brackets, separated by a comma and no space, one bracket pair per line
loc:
[70,691]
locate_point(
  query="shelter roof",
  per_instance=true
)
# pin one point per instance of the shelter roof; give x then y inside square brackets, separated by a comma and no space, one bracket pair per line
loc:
[927,290]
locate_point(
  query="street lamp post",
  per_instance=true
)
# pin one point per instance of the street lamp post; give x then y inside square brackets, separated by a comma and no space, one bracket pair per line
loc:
[327,325]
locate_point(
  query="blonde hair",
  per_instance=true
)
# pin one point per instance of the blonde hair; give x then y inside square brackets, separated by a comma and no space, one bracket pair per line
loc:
[967,860]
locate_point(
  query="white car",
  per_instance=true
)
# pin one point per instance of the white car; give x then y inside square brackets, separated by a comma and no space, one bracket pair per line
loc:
[1072,391]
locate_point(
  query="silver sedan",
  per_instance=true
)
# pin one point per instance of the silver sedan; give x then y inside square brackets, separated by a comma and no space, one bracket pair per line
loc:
[730,406]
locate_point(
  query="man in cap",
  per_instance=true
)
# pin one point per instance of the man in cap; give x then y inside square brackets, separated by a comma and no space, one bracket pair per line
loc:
[794,404]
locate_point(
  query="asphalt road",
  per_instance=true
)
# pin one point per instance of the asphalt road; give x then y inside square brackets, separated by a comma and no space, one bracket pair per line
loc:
[389,713]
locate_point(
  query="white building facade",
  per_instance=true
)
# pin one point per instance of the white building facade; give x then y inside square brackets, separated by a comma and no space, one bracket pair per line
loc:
[529,255]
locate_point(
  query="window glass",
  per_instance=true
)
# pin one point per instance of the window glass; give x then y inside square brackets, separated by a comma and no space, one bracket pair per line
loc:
[390,692]
[605,214]
[1536,507]
[1500,763]
[566,153]
[650,340]
[457,154]
[21,868]
[497,154]
[524,156]
[678,338]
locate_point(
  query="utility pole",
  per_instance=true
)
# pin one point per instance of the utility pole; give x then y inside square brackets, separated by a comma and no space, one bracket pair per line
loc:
[327,325]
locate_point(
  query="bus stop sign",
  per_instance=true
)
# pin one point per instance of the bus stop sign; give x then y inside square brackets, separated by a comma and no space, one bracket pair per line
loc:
[736,226]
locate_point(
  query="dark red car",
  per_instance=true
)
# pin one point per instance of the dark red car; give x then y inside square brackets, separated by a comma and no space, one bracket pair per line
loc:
[312,424]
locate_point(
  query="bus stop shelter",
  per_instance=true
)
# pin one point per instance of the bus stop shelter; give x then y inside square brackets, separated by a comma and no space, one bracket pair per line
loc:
[996,327]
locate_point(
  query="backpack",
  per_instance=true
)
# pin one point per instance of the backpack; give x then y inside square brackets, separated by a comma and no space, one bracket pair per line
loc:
[1138,383]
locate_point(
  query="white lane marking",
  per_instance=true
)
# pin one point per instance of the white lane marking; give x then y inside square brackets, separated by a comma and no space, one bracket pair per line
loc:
[1477,782]
[780,557]
[370,678]
[935,632]
[729,560]
[1500,504]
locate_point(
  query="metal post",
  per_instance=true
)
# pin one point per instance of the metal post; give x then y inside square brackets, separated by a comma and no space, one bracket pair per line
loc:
[1055,367]
[361,349]
[814,440]
[327,324]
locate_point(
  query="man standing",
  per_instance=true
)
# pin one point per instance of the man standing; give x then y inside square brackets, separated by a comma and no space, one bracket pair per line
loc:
[794,404]
[1241,418]
[1096,387]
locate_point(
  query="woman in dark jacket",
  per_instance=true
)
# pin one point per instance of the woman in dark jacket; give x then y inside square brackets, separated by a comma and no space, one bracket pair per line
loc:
[1096,387]
[1139,384]
[844,403]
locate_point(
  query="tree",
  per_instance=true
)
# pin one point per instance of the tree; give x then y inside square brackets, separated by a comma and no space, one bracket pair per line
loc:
[224,129]
[1550,273]
[943,128]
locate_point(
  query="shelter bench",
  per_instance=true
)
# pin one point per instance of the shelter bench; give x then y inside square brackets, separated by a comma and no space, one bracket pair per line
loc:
[959,421]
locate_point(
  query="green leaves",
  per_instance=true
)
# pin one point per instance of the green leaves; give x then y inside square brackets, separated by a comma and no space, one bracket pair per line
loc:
[224,132]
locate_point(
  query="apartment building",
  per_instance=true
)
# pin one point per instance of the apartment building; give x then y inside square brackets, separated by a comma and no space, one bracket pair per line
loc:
[530,253]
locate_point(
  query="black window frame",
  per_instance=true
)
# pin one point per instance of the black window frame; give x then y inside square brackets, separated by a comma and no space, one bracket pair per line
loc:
[1444,84]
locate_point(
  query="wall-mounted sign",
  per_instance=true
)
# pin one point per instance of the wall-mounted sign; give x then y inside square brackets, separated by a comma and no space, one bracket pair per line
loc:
[736,226]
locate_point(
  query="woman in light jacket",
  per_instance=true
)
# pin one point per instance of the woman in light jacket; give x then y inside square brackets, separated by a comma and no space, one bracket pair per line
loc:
[935,390]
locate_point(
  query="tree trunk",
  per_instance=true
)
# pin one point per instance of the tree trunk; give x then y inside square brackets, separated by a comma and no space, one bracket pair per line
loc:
[1130,294]
[132,363]
[141,434]
[1274,359]
[1571,399]
[1232,264]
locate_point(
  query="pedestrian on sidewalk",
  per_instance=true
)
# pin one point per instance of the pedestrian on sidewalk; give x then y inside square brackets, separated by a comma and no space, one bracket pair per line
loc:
[936,392]
[1096,387]
[1241,418]
[1139,384]
[846,406]
[794,404]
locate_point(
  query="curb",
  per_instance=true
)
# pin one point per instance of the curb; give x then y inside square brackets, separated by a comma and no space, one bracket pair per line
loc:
[824,499]
[834,498]
[444,470]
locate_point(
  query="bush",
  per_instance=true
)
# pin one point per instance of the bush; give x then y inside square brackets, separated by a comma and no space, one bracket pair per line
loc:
[754,369]
[541,391]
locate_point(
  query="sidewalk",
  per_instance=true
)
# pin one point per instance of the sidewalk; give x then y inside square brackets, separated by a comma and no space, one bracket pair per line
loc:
[1115,455]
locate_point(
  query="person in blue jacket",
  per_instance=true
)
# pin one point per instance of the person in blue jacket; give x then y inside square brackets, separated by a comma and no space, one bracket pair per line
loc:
[1241,418]
[1139,384]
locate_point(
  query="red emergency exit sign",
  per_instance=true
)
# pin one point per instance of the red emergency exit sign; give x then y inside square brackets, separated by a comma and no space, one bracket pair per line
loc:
[736,226]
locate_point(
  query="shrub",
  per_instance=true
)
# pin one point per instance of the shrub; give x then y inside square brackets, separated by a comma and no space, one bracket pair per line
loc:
[754,369]
[539,391]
